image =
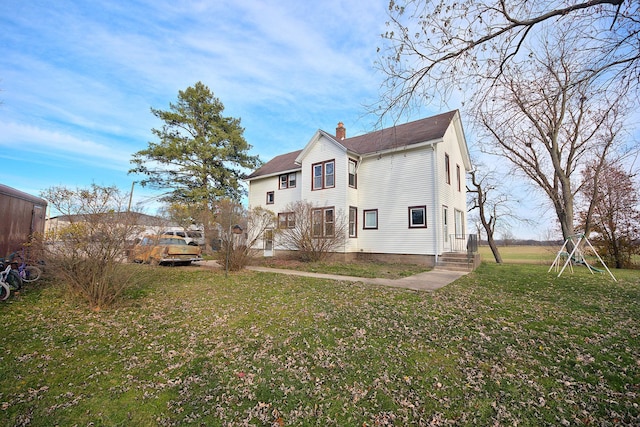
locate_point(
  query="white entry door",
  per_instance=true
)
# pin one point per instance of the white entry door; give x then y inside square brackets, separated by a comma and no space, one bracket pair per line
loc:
[268,243]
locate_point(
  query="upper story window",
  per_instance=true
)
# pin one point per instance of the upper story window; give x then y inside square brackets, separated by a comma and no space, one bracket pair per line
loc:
[459,180]
[353,180]
[288,180]
[270,197]
[447,168]
[323,175]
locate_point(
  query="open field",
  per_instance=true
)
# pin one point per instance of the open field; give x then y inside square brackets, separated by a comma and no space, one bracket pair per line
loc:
[505,345]
[522,254]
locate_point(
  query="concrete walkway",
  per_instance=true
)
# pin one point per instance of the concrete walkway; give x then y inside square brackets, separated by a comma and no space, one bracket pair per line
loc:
[427,281]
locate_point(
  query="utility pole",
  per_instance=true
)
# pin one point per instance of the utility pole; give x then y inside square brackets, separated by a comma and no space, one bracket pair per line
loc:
[131,196]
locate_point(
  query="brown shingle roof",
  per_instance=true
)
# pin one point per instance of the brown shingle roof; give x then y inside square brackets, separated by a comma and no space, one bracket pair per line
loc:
[423,130]
[415,132]
[281,163]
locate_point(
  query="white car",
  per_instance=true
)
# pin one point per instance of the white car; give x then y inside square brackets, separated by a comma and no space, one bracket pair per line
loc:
[193,237]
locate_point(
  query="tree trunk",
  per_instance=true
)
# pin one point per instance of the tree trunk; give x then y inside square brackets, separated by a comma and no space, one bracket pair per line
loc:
[494,248]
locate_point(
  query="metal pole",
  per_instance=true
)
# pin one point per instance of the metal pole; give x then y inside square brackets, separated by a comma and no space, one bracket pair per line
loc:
[131,196]
[226,268]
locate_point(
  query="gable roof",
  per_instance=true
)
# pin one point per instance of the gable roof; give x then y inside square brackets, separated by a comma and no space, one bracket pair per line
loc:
[282,163]
[422,130]
[404,135]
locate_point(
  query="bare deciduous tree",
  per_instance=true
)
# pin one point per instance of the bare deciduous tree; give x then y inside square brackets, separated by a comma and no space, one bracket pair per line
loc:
[507,237]
[493,206]
[548,81]
[314,232]
[435,47]
[549,121]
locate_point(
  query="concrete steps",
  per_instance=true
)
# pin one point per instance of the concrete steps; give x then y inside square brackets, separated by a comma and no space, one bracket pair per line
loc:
[457,261]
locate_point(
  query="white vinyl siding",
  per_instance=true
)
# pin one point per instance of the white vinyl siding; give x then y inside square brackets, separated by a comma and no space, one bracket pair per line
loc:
[391,184]
[455,200]
[260,187]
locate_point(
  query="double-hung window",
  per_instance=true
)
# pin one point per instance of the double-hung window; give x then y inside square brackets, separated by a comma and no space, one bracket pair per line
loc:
[459,180]
[353,221]
[447,169]
[286,220]
[322,222]
[270,197]
[323,175]
[288,180]
[353,181]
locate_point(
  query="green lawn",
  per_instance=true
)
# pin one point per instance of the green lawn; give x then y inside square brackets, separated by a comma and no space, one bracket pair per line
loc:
[505,345]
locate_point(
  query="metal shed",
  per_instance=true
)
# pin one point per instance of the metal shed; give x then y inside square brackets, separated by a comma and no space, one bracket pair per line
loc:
[21,215]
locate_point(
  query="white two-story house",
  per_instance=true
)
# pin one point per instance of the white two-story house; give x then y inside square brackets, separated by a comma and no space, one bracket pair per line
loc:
[402,188]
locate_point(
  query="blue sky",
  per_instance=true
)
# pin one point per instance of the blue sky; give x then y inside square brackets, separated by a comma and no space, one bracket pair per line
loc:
[78,79]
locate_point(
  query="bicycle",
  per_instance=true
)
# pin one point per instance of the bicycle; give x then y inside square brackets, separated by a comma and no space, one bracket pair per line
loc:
[28,273]
[5,288]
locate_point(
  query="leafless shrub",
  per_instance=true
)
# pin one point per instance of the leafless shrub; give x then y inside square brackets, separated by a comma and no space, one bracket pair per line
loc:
[85,246]
[240,229]
[315,232]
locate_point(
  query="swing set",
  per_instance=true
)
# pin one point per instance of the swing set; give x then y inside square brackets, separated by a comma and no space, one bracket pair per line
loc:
[576,256]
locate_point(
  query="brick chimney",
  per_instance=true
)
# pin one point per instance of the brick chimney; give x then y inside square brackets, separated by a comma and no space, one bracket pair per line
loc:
[341,132]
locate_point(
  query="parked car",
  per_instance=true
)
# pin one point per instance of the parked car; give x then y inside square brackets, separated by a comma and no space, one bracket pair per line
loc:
[193,237]
[165,249]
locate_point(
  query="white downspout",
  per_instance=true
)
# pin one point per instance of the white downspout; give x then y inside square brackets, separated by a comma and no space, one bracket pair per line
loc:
[436,196]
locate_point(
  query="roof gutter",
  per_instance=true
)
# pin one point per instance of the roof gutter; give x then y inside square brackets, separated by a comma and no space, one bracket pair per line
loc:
[431,144]
[269,175]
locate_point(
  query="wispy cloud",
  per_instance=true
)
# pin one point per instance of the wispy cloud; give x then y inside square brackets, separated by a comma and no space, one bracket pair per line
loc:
[78,78]
[56,145]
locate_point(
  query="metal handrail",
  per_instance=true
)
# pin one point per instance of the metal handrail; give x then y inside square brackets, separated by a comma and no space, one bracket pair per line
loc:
[464,243]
